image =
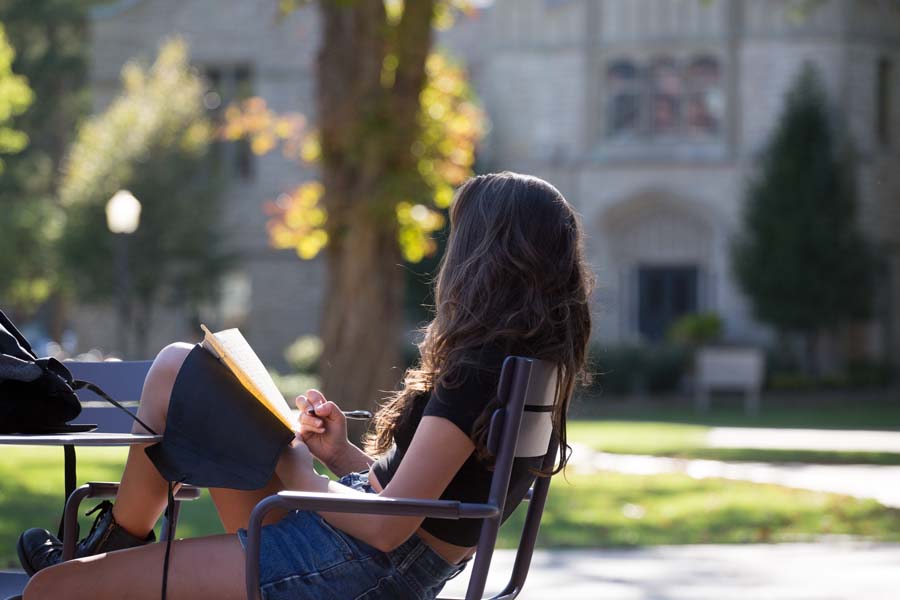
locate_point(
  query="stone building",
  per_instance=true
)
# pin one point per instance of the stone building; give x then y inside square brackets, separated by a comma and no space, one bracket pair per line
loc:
[646,114]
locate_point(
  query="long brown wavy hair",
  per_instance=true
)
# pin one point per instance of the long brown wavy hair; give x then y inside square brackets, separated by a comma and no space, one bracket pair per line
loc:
[513,276]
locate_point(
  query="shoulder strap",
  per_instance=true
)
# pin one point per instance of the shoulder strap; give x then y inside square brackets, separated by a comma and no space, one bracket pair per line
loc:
[6,324]
[87,385]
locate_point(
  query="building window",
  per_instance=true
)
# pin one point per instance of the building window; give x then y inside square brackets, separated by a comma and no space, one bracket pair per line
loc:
[704,105]
[665,294]
[884,99]
[229,84]
[665,98]
[625,98]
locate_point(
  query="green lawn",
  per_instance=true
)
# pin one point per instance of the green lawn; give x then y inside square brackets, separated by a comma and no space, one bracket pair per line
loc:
[608,509]
[689,441]
[583,511]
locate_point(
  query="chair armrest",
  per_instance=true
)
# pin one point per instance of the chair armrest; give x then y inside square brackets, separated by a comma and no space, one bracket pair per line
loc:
[108,489]
[362,504]
[378,505]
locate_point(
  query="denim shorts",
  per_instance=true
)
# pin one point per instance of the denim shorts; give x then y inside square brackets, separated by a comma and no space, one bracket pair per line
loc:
[303,556]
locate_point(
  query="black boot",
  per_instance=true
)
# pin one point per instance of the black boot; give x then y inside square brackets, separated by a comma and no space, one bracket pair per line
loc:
[39,549]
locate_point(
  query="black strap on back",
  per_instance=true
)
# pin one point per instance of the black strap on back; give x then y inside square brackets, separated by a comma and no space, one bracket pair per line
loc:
[170,531]
[78,384]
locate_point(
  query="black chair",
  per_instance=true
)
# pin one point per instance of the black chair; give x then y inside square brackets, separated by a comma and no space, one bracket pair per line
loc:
[521,427]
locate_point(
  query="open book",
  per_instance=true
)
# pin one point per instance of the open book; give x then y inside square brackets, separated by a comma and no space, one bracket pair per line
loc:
[232,349]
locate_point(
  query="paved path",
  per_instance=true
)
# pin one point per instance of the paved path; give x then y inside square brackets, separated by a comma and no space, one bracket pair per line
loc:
[804,439]
[881,483]
[826,571]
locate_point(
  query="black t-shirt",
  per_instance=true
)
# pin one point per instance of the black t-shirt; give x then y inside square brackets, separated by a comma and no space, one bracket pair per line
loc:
[461,404]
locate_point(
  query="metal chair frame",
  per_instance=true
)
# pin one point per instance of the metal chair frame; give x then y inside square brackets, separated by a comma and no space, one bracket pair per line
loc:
[523,382]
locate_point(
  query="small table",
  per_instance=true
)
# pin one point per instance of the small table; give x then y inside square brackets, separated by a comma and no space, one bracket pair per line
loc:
[88,438]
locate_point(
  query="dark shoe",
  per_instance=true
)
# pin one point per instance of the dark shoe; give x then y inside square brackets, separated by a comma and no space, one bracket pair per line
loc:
[106,535]
[39,549]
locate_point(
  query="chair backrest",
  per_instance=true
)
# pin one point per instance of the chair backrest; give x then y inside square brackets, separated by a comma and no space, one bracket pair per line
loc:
[122,380]
[521,427]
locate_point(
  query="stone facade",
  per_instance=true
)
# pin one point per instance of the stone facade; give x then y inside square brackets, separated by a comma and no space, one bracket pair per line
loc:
[646,114]
[661,200]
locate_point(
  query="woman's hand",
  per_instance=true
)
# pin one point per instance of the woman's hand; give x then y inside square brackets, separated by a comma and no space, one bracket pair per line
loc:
[325,434]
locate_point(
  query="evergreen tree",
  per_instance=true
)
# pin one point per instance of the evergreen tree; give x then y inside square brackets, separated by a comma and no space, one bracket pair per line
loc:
[801,258]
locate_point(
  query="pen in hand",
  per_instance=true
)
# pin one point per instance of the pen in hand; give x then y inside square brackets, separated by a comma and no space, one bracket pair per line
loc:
[359,415]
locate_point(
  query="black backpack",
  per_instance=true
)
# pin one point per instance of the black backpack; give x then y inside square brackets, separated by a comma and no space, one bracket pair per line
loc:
[37,395]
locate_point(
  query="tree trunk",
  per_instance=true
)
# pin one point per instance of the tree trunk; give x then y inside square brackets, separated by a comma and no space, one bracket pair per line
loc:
[366,132]
[363,316]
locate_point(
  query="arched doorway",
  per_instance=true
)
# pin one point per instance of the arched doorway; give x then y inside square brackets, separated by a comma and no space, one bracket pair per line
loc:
[663,249]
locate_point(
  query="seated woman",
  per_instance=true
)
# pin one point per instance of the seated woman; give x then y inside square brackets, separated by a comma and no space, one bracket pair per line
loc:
[512,282]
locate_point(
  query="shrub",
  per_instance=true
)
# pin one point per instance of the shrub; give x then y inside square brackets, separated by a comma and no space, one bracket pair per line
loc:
[303,355]
[867,373]
[696,329]
[626,370]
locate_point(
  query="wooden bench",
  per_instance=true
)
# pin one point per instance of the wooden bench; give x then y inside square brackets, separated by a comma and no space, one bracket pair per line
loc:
[729,369]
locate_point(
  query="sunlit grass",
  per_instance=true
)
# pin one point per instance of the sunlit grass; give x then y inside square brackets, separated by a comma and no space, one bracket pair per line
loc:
[31,493]
[608,509]
[601,509]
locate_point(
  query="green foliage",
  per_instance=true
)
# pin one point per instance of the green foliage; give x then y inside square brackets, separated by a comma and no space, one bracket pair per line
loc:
[858,374]
[50,40]
[152,140]
[450,125]
[295,384]
[696,329]
[635,370]
[15,97]
[801,257]
[304,354]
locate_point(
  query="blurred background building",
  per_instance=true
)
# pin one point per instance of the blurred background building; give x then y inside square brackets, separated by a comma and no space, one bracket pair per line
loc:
[647,114]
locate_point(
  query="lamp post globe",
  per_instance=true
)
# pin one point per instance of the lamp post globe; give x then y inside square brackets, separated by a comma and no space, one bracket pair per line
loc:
[123,215]
[123,212]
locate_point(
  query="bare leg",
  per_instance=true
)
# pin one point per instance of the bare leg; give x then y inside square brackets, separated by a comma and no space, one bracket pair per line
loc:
[208,567]
[142,494]
[234,506]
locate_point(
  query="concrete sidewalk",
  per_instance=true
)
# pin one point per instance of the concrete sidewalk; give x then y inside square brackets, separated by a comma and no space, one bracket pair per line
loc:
[826,571]
[835,440]
[881,483]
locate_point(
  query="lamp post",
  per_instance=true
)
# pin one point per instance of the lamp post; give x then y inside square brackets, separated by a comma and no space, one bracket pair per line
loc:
[123,215]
